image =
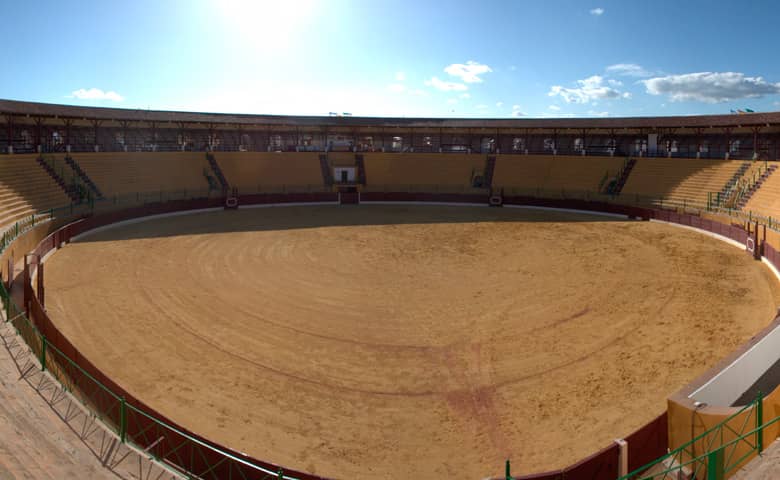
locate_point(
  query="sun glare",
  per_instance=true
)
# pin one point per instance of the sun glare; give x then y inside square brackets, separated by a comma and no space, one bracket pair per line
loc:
[266,23]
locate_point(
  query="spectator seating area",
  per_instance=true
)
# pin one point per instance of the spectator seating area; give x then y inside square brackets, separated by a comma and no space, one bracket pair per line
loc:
[25,189]
[435,172]
[123,174]
[253,172]
[685,181]
[766,199]
[545,173]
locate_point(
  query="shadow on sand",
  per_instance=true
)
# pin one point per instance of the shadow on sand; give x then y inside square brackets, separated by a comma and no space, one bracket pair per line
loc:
[319,216]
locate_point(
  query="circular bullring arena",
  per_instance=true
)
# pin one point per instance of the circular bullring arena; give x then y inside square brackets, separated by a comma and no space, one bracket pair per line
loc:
[400,341]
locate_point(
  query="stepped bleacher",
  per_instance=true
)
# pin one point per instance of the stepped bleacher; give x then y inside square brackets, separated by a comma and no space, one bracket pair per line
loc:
[255,172]
[217,172]
[679,181]
[124,174]
[26,189]
[763,198]
[82,175]
[435,172]
[544,174]
[59,177]
[621,178]
[327,174]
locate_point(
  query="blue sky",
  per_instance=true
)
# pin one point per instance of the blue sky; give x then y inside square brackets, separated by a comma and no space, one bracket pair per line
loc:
[458,58]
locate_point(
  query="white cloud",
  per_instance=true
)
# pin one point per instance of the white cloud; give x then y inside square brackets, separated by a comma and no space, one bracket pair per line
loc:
[516,112]
[96,94]
[615,83]
[628,70]
[452,101]
[418,92]
[464,95]
[591,88]
[400,76]
[396,88]
[481,106]
[445,86]
[597,11]
[554,108]
[468,72]
[499,104]
[710,87]
[593,113]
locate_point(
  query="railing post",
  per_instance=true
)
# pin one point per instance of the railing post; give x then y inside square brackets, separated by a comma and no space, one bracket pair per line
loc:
[122,419]
[43,353]
[508,471]
[760,422]
[715,465]
[280,474]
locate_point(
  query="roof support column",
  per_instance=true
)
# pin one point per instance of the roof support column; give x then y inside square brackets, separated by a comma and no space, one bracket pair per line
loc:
[124,124]
[755,142]
[10,130]
[38,134]
[612,142]
[527,139]
[727,132]
[698,142]
[154,136]
[68,123]
[96,127]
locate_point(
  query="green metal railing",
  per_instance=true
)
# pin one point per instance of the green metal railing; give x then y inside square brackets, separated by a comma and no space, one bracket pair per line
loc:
[719,455]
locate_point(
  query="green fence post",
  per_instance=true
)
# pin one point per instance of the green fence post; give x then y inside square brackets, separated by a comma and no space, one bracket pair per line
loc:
[760,423]
[715,465]
[280,474]
[508,470]
[122,419]
[43,353]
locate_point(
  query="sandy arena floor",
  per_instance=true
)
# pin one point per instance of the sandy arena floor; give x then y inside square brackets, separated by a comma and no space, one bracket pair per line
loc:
[407,342]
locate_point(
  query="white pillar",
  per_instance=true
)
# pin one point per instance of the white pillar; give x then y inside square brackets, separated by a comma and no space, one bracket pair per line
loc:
[622,457]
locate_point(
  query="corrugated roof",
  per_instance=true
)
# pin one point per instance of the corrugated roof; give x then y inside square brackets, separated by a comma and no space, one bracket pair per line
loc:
[119,114]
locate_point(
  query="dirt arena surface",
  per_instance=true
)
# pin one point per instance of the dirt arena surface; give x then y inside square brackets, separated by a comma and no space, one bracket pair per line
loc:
[379,342]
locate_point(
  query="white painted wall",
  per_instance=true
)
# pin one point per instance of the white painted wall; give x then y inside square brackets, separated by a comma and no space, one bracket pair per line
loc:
[350,173]
[731,382]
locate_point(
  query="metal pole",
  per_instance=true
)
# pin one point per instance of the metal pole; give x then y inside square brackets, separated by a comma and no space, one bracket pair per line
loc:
[508,471]
[43,353]
[715,465]
[760,422]
[123,419]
